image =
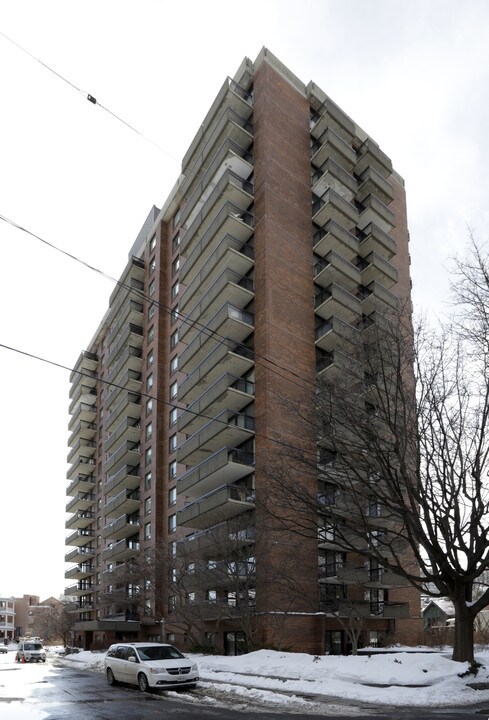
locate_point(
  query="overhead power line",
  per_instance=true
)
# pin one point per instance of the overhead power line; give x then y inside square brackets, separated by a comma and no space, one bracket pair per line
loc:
[93,100]
[262,360]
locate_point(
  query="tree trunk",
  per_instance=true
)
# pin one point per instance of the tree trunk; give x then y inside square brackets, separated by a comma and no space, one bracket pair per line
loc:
[463,642]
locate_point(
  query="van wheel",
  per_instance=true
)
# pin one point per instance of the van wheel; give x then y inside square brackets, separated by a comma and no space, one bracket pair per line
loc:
[143,682]
[110,677]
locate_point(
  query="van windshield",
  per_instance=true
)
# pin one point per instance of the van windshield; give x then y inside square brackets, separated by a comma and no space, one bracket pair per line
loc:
[32,646]
[165,652]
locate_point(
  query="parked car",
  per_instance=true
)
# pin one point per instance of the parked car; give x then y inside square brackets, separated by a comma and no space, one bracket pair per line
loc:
[30,650]
[150,665]
[3,649]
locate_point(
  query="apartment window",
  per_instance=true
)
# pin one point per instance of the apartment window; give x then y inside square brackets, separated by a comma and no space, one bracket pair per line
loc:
[175,243]
[173,364]
[190,598]
[212,596]
[152,288]
[173,549]
[172,523]
[147,607]
[176,218]
[175,266]
[150,359]
[149,430]
[172,469]
[174,314]
[151,311]
[147,531]
[151,334]
[174,290]
[173,416]
[149,381]
[172,496]
[148,456]
[174,340]
[152,264]
[147,481]
[149,406]
[173,390]
[191,568]
[152,243]
[172,606]
[172,443]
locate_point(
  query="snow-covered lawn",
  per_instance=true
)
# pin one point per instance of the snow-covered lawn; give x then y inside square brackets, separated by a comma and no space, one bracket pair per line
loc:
[418,678]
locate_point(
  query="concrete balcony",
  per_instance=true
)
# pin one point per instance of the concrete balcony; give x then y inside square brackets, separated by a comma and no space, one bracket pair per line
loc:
[131,335]
[376,297]
[86,369]
[225,466]
[81,501]
[375,267]
[81,519]
[123,527]
[225,358]
[130,359]
[126,502]
[228,288]
[334,333]
[229,252]
[229,322]
[82,393]
[81,588]
[333,268]
[335,237]
[227,391]
[80,571]
[130,405]
[80,555]
[329,115]
[227,429]
[377,213]
[331,145]
[122,550]
[82,466]
[128,430]
[127,453]
[232,103]
[80,537]
[81,484]
[128,477]
[370,155]
[332,206]
[338,363]
[130,312]
[230,220]
[226,186]
[228,255]
[217,506]
[229,157]
[83,412]
[338,302]
[376,240]
[82,448]
[331,175]
[82,431]
[372,182]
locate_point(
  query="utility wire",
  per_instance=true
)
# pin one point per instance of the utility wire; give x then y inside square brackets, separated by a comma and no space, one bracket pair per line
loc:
[149,396]
[265,362]
[89,97]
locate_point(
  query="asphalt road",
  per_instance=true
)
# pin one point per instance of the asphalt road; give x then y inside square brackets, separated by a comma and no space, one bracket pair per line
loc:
[51,691]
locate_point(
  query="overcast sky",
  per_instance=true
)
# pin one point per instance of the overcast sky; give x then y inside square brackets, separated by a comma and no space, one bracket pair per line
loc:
[414,75]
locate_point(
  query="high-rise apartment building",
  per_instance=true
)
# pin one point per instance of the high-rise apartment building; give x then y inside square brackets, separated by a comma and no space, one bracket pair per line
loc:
[234,300]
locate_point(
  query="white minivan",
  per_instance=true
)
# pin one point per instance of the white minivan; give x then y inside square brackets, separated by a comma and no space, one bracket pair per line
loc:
[150,665]
[30,650]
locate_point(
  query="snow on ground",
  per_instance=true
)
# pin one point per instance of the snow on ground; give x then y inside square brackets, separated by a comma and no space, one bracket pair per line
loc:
[418,678]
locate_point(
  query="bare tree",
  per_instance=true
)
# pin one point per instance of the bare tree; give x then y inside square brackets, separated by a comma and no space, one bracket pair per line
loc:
[53,624]
[403,449]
